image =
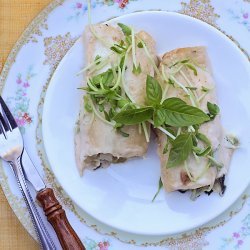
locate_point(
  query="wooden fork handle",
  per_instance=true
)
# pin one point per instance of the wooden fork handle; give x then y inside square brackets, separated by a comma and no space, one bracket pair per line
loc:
[57,218]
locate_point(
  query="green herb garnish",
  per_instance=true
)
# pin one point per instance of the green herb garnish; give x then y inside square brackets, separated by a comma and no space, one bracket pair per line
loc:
[160,185]
[133,116]
[140,45]
[136,70]
[181,148]
[153,91]
[125,29]
[213,109]
[97,61]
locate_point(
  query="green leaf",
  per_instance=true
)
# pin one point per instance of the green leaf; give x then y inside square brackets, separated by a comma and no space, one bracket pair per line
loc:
[136,70]
[179,114]
[106,77]
[160,185]
[159,117]
[125,29]
[133,116]
[140,45]
[213,109]
[153,90]
[181,148]
[192,67]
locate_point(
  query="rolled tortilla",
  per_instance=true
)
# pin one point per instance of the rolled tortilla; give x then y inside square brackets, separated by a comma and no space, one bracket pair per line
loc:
[96,142]
[176,178]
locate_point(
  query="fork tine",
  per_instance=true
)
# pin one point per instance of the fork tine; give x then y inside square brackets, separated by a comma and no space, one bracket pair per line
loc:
[7,114]
[2,126]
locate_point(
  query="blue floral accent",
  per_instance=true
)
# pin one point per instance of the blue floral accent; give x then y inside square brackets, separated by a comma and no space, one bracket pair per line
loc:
[19,104]
[243,17]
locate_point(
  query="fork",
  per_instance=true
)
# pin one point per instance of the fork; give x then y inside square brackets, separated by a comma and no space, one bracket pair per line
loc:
[11,149]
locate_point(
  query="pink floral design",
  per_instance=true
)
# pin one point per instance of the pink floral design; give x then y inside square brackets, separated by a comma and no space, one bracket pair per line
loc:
[236,235]
[236,240]
[93,245]
[78,5]
[20,103]
[103,245]
[242,17]
[80,8]
[245,15]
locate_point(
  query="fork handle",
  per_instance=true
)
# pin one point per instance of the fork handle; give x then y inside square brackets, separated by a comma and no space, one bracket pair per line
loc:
[41,231]
[57,218]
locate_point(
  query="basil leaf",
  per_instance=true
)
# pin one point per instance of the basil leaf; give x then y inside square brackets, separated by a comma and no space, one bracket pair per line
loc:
[136,70]
[133,116]
[106,78]
[181,148]
[213,108]
[158,117]
[179,114]
[153,90]
[160,185]
[125,29]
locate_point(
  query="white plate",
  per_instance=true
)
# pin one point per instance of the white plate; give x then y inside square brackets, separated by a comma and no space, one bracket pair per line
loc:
[120,196]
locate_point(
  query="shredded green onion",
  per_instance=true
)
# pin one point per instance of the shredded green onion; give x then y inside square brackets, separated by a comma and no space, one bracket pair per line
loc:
[99,115]
[145,131]
[118,79]
[184,88]
[164,130]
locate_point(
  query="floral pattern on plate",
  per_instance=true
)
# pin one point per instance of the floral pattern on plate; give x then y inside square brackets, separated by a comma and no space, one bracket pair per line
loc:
[242,17]
[20,102]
